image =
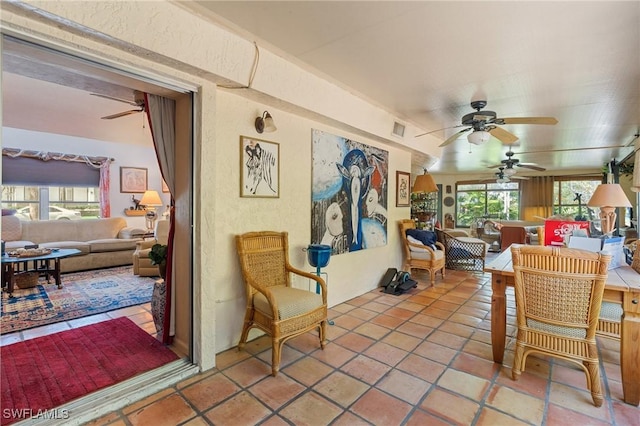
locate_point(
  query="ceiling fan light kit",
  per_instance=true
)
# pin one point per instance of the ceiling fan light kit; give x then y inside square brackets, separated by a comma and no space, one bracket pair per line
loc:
[509,171]
[479,137]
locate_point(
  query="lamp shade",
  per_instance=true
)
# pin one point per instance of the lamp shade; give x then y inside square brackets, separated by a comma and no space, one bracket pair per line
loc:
[265,123]
[151,198]
[479,137]
[424,183]
[609,195]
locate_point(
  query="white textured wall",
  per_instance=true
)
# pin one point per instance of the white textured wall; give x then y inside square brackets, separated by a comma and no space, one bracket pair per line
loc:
[350,274]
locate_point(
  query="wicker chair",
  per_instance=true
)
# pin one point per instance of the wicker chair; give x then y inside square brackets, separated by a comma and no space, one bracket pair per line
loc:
[273,305]
[463,253]
[558,296]
[419,256]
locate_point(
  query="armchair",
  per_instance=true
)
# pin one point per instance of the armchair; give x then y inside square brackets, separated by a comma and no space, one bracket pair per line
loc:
[420,256]
[273,304]
[141,263]
[463,253]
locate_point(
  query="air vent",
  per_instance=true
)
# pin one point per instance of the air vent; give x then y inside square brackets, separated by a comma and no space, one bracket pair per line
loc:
[398,129]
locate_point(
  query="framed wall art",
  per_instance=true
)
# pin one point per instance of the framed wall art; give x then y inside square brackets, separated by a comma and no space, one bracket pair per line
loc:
[133,179]
[165,187]
[403,181]
[260,168]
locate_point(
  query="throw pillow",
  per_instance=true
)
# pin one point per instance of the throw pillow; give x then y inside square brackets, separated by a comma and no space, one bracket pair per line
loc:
[428,238]
[413,248]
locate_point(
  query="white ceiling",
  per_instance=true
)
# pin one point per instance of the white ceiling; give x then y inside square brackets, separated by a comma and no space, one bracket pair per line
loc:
[425,61]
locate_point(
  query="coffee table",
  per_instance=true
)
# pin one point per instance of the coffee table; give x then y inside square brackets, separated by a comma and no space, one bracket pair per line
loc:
[40,264]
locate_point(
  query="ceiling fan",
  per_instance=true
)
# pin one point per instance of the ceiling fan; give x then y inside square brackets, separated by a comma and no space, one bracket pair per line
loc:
[502,177]
[509,163]
[138,102]
[484,125]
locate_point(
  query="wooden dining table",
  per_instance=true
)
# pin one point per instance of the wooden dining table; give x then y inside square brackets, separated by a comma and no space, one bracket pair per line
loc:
[622,286]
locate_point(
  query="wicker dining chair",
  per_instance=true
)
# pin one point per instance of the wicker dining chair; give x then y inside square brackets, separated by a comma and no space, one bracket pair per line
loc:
[558,296]
[420,256]
[273,304]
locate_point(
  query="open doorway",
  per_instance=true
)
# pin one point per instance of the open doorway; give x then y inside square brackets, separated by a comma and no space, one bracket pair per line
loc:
[48,95]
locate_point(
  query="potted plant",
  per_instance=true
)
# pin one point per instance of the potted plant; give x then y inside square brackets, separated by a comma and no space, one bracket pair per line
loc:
[158,256]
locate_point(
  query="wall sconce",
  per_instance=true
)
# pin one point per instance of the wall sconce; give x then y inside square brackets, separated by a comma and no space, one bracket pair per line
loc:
[424,183]
[265,123]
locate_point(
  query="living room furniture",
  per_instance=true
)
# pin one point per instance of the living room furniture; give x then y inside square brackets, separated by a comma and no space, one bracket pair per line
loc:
[420,256]
[512,235]
[273,304]
[102,243]
[462,253]
[622,288]
[558,298]
[141,263]
[11,266]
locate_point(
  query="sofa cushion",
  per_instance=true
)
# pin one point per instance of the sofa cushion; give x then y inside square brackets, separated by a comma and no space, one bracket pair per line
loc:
[11,228]
[17,244]
[84,247]
[112,244]
[45,231]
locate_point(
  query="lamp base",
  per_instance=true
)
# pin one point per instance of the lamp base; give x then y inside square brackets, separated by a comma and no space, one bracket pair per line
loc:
[608,220]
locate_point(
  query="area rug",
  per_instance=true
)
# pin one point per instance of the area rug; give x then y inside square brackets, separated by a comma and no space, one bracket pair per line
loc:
[46,372]
[83,293]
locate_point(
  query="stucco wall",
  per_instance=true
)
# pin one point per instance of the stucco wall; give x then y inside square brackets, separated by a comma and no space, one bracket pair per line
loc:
[349,274]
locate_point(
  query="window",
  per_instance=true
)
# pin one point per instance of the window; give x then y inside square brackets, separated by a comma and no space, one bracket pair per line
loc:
[570,197]
[491,200]
[52,203]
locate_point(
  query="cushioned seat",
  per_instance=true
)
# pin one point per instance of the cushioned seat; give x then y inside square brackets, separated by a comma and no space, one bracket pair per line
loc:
[141,263]
[421,251]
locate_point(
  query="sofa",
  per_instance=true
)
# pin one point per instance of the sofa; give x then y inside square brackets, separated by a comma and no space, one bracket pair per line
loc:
[103,243]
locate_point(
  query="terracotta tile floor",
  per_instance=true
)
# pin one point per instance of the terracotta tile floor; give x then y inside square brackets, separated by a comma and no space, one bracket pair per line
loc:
[416,359]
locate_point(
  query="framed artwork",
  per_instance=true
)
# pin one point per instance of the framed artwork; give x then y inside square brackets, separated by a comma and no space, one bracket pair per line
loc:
[260,168]
[165,188]
[403,180]
[133,179]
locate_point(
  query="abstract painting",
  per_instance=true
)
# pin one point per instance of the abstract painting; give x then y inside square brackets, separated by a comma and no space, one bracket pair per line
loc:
[349,193]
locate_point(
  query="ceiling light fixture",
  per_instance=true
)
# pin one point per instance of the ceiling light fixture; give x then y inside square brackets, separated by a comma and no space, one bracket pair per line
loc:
[424,183]
[265,123]
[479,137]
[509,171]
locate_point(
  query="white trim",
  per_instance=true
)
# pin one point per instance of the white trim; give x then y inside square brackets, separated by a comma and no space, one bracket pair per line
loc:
[101,402]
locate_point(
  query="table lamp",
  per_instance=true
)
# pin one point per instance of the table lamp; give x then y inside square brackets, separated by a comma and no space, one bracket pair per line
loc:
[151,199]
[608,196]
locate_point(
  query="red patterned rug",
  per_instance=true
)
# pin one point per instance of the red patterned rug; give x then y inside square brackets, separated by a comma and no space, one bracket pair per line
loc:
[83,293]
[46,372]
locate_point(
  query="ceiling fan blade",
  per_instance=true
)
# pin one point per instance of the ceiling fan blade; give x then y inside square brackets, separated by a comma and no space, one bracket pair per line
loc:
[438,130]
[503,136]
[527,120]
[122,114]
[519,177]
[531,166]
[454,137]
[114,99]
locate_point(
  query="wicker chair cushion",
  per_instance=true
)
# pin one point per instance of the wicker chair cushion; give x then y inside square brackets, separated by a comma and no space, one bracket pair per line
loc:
[611,311]
[425,255]
[473,240]
[291,302]
[427,238]
[418,249]
[579,333]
